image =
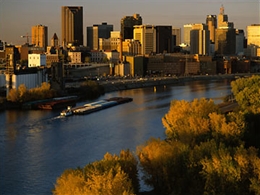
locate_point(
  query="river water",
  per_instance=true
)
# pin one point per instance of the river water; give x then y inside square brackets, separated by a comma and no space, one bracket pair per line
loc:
[36,146]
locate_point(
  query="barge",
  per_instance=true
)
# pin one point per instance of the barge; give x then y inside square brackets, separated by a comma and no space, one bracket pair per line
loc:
[95,106]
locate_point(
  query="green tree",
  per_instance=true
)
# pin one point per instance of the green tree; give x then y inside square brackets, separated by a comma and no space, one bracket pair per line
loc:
[247,93]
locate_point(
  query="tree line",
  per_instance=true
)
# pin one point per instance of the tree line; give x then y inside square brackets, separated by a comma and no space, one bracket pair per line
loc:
[205,152]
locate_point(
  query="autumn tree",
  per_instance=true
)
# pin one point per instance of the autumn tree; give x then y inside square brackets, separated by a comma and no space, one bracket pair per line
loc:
[164,165]
[113,175]
[22,94]
[231,171]
[188,122]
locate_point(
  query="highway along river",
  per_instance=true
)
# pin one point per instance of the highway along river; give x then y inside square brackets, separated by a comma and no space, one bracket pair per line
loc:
[36,146]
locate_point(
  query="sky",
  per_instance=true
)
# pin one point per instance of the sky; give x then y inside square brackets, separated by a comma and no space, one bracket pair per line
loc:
[18,16]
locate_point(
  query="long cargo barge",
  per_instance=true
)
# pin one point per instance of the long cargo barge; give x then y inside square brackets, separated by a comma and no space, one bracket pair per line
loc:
[95,106]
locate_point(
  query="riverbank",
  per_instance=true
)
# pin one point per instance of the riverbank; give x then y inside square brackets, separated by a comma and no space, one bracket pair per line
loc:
[124,84]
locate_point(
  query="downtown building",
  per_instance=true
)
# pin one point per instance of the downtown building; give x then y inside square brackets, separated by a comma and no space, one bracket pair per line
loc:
[146,35]
[225,35]
[72,25]
[211,21]
[96,32]
[40,36]
[127,24]
[163,39]
[253,40]
[199,39]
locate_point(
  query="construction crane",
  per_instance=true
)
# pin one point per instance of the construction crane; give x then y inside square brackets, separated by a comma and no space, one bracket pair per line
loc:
[27,38]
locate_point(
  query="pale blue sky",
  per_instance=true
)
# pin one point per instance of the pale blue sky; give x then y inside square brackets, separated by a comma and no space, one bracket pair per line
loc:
[18,16]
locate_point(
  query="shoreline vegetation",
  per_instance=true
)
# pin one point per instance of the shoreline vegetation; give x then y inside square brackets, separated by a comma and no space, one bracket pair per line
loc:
[206,151]
[91,89]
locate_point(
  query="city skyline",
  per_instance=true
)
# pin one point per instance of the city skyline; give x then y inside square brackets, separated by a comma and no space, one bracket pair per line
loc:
[17,17]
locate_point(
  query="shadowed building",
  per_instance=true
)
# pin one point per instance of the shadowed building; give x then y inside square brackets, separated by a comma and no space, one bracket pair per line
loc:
[225,35]
[127,25]
[40,36]
[72,25]
[163,39]
[97,31]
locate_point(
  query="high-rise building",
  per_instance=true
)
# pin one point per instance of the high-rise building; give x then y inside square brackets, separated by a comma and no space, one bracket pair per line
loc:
[163,39]
[225,35]
[127,25]
[40,36]
[199,39]
[253,39]
[253,35]
[98,31]
[223,19]
[240,39]
[72,25]
[225,43]
[211,21]
[176,36]
[146,35]
[186,33]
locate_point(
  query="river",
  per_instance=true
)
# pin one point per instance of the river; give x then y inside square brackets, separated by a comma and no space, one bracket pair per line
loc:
[36,146]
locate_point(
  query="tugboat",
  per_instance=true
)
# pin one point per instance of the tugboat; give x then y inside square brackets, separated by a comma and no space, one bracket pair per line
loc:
[67,112]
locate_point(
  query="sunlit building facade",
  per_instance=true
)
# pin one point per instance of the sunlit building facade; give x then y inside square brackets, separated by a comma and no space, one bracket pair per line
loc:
[40,36]
[146,35]
[72,25]
[211,21]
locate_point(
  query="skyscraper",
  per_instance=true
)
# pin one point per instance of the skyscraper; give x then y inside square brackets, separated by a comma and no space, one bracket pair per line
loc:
[253,39]
[40,36]
[199,39]
[146,35]
[163,39]
[225,35]
[72,25]
[98,31]
[186,33]
[127,25]
[211,21]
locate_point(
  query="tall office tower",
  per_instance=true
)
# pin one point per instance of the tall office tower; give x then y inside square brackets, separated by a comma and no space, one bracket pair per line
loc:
[40,36]
[127,25]
[176,36]
[225,35]
[253,39]
[72,25]
[211,21]
[199,39]
[240,39]
[225,43]
[98,31]
[223,19]
[253,35]
[55,41]
[186,33]
[146,35]
[163,39]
